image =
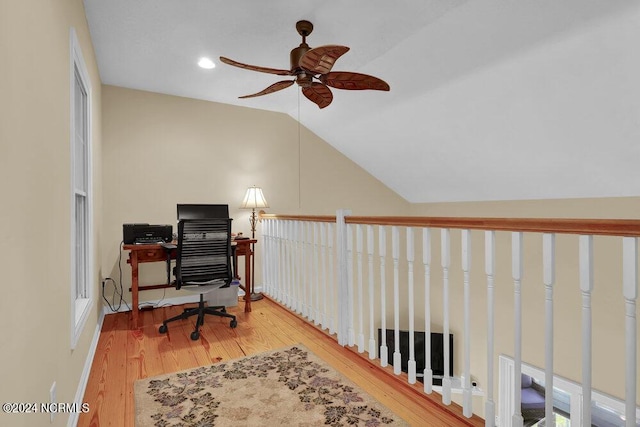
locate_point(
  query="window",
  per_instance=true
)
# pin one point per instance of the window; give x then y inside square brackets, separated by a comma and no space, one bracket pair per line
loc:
[606,411]
[81,197]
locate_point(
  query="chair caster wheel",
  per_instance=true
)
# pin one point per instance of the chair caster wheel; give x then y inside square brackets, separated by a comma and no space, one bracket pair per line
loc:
[233,323]
[195,335]
[162,329]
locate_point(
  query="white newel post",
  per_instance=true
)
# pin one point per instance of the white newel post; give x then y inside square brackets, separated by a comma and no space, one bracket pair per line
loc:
[372,341]
[359,245]
[382,243]
[466,266]
[411,365]
[630,291]
[516,269]
[395,248]
[548,277]
[343,277]
[426,260]
[445,246]
[586,287]
[489,269]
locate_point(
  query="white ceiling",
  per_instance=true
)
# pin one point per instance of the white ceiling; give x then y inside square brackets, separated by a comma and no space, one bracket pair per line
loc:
[489,100]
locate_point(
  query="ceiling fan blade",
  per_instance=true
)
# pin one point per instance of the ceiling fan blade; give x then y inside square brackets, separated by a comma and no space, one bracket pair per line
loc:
[255,67]
[319,94]
[321,59]
[353,81]
[273,88]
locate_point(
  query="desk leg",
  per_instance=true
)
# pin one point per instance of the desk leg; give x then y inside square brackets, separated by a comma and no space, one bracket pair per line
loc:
[133,257]
[247,280]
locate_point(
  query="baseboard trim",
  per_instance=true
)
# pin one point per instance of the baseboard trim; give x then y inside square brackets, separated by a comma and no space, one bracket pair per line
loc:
[84,378]
[164,302]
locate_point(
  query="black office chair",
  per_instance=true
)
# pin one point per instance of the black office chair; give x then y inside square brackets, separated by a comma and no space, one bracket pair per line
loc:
[203,265]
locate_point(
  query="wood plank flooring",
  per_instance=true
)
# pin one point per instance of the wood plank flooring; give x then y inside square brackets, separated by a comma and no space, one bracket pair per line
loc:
[124,356]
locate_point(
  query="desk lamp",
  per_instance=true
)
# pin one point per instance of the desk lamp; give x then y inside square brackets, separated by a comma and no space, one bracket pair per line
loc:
[253,199]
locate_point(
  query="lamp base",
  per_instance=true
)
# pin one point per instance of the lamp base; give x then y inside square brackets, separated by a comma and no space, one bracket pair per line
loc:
[256,296]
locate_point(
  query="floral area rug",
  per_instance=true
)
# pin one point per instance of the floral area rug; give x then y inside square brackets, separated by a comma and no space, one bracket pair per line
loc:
[286,387]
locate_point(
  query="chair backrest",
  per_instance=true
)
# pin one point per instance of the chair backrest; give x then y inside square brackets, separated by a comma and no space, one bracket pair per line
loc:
[204,252]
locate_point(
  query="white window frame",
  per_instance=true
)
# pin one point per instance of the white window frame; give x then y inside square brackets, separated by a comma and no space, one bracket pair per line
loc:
[80,307]
[506,400]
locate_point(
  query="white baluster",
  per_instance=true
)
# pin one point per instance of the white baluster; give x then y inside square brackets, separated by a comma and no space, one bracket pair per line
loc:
[303,294]
[360,290]
[285,255]
[286,270]
[548,277]
[277,257]
[316,274]
[490,268]
[352,332]
[332,281]
[272,253]
[445,246]
[395,248]
[516,269]
[295,284]
[281,262]
[265,257]
[311,296]
[290,269]
[411,364]
[630,292]
[466,266]
[323,252]
[382,242]
[372,341]
[426,260]
[586,287]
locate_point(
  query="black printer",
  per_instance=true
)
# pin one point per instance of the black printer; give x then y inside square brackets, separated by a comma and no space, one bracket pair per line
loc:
[141,233]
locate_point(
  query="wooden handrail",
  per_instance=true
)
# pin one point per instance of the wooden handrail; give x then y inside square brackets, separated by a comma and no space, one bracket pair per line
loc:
[314,218]
[603,227]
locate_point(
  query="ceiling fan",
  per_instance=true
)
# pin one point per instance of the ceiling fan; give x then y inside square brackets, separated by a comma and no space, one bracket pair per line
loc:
[312,71]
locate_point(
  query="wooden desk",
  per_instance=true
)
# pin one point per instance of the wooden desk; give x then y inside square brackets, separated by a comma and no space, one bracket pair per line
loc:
[155,253]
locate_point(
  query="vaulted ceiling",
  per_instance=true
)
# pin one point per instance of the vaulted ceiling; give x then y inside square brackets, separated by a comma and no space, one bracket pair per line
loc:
[489,100]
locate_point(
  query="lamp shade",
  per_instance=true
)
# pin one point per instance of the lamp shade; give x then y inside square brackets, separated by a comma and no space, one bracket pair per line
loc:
[254,199]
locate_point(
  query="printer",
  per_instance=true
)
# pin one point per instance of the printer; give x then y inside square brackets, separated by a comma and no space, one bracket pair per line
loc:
[142,233]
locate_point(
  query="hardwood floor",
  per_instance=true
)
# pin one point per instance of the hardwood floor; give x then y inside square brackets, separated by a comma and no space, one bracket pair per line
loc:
[124,355]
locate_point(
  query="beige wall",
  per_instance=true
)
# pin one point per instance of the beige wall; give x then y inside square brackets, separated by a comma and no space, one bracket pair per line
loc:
[608,303]
[35,176]
[161,150]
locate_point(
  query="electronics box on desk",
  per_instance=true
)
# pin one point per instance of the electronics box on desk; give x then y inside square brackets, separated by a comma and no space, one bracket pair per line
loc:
[146,233]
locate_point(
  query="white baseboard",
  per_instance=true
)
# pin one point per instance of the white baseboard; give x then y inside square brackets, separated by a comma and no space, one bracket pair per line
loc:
[84,377]
[184,299]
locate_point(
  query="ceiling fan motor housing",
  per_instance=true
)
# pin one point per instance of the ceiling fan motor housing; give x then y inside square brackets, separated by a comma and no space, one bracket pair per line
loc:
[303,78]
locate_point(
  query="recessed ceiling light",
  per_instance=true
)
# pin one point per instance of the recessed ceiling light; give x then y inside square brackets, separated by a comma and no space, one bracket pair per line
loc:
[206,63]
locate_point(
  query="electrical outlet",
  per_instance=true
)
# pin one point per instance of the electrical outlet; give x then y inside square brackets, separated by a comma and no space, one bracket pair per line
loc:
[52,399]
